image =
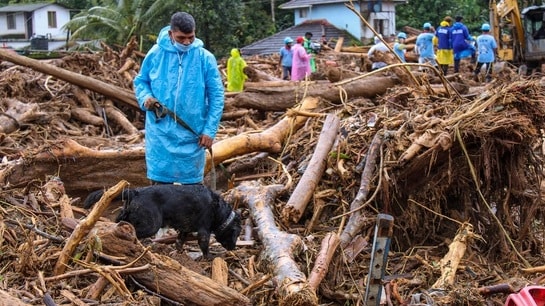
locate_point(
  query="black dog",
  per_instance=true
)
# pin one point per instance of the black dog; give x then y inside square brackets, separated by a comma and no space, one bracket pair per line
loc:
[186,208]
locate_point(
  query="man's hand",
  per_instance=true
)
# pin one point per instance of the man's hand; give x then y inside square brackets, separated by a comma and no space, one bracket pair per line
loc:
[150,103]
[205,141]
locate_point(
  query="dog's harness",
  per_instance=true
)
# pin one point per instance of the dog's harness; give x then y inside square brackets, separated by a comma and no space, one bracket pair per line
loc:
[162,111]
[227,222]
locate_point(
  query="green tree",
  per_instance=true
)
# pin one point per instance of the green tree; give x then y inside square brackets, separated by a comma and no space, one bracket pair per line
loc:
[415,13]
[217,23]
[116,22]
[258,23]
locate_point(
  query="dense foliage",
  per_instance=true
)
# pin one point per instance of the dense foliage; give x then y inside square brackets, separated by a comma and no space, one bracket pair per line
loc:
[416,13]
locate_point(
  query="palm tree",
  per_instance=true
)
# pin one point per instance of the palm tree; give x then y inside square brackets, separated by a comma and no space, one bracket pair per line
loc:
[115,22]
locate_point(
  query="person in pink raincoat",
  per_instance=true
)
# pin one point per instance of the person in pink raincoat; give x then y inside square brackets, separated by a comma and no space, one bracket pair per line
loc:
[300,66]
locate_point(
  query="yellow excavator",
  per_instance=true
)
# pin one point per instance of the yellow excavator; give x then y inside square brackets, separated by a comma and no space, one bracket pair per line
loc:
[520,34]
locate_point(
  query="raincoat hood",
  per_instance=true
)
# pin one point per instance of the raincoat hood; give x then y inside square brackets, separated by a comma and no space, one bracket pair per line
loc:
[164,41]
[189,84]
[235,52]
[457,25]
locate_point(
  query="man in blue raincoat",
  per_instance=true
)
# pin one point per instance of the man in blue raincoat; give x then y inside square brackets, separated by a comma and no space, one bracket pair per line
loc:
[180,88]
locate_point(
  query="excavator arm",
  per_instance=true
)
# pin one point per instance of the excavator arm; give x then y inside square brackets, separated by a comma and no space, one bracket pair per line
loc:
[507,28]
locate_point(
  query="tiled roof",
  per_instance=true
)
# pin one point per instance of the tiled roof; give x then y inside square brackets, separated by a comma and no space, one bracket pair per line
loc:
[24,7]
[272,44]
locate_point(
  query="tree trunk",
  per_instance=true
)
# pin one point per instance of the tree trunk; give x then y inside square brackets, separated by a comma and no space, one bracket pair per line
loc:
[279,246]
[79,167]
[323,260]
[304,190]
[367,87]
[84,169]
[167,277]
[357,218]
[106,89]
[269,140]
[456,250]
[255,75]
[83,227]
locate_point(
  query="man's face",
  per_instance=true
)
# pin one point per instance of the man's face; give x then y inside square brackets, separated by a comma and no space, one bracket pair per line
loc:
[181,37]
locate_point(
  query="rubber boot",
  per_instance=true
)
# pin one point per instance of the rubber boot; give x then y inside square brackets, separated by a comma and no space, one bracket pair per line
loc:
[456,66]
[444,68]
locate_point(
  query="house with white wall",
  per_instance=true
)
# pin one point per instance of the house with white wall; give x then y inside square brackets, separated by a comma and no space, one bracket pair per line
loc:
[380,15]
[21,22]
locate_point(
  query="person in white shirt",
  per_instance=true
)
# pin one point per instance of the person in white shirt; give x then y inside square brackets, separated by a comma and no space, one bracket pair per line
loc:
[378,46]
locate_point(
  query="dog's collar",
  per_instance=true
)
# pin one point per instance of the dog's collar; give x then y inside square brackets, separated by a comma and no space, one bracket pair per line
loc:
[227,222]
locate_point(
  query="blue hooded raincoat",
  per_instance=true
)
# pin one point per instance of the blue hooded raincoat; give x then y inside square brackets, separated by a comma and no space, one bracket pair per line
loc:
[189,84]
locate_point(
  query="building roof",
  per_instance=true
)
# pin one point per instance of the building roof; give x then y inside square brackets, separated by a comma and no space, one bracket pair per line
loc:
[25,7]
[272,44]
[293,4]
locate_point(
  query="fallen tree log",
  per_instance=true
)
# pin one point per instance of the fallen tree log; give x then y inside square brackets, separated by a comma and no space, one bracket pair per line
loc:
[109,90]
[456,250]
[269,140]
[323,259]
[357,217]
[84,169]
[79,167]
[367,87]
[255,75]
[279,247]
[297,203]
[265,84]
[83,227]
[167,277]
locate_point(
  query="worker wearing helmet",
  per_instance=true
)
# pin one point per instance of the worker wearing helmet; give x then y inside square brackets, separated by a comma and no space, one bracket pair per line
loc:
[286,56]
[380,47]
[307,44]
[400,47]
[424,46]
[445,55]
[486,50]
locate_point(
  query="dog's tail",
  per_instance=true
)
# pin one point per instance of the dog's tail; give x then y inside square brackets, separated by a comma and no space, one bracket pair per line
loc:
[95,196]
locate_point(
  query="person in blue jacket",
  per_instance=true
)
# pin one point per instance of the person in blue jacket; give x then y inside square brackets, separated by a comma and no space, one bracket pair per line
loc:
[460,43]
[486,49]
[424,46]
[286,56]
[399,46]
[179,77]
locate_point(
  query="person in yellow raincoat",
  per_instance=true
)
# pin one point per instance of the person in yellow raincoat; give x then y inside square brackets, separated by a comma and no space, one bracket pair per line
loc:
[235,71]
[443,41]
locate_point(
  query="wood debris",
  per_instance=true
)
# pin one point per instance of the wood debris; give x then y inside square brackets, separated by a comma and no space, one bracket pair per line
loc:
[435,153]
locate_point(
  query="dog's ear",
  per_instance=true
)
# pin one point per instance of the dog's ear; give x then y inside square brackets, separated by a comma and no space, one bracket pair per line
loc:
[243,212]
